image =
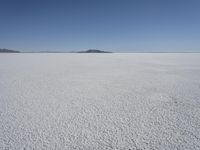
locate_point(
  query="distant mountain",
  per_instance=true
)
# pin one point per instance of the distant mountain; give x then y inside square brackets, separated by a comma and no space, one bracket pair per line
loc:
[8,51]
[93,51]
[87,51]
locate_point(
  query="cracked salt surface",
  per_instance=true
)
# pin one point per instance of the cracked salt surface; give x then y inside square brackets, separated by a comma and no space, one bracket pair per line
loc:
[99,101]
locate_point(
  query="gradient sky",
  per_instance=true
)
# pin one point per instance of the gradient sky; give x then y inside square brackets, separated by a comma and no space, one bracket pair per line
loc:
[114,25]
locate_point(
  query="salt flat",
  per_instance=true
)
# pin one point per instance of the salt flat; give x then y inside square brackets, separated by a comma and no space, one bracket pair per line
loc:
[100,101]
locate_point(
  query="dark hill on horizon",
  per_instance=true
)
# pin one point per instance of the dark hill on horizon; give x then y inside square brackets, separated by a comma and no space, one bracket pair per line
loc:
[8,51]
[86,51]
[93,51]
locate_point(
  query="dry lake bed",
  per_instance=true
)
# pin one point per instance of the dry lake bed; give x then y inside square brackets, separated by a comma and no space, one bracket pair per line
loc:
[111,101]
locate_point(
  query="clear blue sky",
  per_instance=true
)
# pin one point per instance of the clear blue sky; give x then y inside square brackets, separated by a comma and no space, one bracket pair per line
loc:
[115,25]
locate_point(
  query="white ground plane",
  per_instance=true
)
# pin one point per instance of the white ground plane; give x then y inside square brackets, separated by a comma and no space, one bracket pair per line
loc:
[100,101]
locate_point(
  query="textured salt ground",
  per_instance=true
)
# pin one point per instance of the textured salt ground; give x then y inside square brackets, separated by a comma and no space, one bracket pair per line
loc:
[99,101]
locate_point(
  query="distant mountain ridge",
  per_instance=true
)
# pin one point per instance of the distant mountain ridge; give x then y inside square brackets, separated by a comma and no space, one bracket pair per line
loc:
[93,51]
[86,51]
[8,51]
